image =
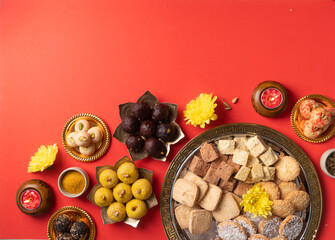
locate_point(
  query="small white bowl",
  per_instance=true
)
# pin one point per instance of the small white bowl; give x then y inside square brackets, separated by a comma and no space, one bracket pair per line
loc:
[86,178]
[323,160]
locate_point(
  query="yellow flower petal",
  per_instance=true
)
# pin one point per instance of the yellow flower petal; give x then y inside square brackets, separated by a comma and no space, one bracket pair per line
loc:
[43,158]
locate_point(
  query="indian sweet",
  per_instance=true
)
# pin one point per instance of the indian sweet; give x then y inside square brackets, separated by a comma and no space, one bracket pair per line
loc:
[82,139]
[82,125]
[88,151]
[128,173]
[155,148]
[136,209]
[141,189]
[116,211]
[130,124]
[122,192]
[64,236]
[165,131]
[79,230]
[134,143]
[103,197]
[148,128]
[70,139]
[160,112]
[62,223]
[141,110]
[108,178]
[95,134]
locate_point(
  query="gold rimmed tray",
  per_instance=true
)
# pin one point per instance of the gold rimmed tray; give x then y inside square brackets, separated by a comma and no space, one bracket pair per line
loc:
[94,121]
[297,120]
[75,213]
[308,177]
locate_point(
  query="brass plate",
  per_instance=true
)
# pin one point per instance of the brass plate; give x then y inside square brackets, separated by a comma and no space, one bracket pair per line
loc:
[296,119]
[95,121]
[76,213]
[308,174]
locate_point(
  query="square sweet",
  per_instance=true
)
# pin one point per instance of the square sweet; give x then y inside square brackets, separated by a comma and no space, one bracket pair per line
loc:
[226,146]
[200,182]
[269,157]
[242,173]
[211,176]
[216,163]
[240,157]
[240,143]
[227,186]
[182,213]
[257,172]
[234,165]
[252,161]
[208,152]
[200,221]
[185,192]
[242,188]
[224,171]
[212,198]
[227,208]
[256,146]
[269,173]
[198,166]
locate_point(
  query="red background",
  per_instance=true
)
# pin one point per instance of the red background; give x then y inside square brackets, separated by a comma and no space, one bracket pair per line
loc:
[60,58]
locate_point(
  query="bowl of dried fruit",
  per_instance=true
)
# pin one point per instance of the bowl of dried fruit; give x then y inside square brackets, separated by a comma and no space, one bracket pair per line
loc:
[327,162]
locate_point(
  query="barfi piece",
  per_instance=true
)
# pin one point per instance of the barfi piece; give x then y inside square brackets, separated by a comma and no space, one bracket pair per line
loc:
[234,165]
[228,186]
[240,143]
[198,166]
[185,192]
[252,161]
[240,157]
[211,176]
[182,213]
[226,146]
[216,163]
[242,173]
[269,157]
[200,182]
[212,198]
[257,173]
[200,221]
[227,208]
[269,173]
[256,146]
[208,152]
[224,171]
[242,188]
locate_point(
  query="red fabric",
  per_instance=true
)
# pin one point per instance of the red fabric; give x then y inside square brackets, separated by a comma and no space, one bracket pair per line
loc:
[61,58]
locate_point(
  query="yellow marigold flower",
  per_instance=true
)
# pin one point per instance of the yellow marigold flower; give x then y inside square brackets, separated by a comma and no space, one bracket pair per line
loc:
[256,201]
[43,158]
[201,110]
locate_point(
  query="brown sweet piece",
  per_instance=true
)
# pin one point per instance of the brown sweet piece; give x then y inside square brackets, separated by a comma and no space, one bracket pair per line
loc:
[198,166]
[282,208]
[279,238]
[199,181]
[208,152]
[228,186]
[237,199]
[212,198]
[229,230]
[287,168]
[254,218]
[227,208]
[291,227]
[299,199]
[286,188]
[242,188]
[269,227]
[182,213]
[248,226]
[224,171]
[200,221]
[258,237]
[272,189]
[234,165]
[211,176]
[216,163]
[185,192]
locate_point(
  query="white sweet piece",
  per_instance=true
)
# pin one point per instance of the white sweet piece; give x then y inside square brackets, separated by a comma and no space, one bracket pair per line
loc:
[269,157]
[240,143]
[82,125]
[95,133]
[240,157]
[70,139]
[242,174]
[256,146]
[269,173]
[88,151]
[226,146]
[257,173]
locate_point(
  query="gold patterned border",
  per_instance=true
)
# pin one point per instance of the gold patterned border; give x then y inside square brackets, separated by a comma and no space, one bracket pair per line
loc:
[78,210]
[328,134]
[105,143]
[313,184]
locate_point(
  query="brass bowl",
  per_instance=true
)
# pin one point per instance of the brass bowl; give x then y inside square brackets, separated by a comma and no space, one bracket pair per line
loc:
[74,213]
[297,120]
[94,121]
